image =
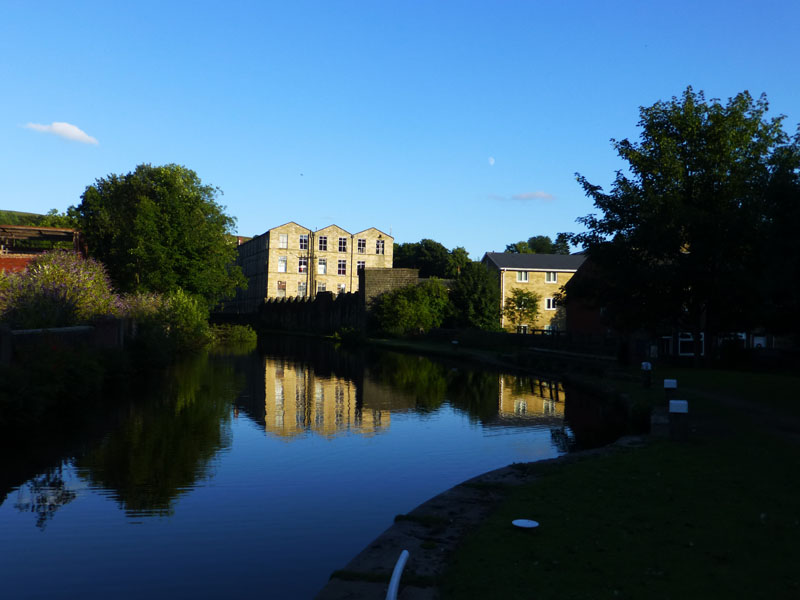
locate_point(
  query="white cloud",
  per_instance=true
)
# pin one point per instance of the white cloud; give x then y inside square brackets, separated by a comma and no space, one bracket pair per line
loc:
[534,196]
[491,161]
[64,130]
[524,197]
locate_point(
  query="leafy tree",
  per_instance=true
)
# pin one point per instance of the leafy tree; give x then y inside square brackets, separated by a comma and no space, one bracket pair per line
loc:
[541,244]
[561,245]
[160,229]
[412,308]
[429,256]
[676,241]
[522,307]
[519,248]
[475,297]
[53,218]
[780,247]
[458,260]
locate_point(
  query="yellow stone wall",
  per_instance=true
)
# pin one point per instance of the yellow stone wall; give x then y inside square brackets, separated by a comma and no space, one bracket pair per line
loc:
[537,284]
[313,279]
[292,277]
[298,401]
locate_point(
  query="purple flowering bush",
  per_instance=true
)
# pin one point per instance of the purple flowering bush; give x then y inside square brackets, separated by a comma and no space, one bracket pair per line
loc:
[60,289]
[57,289]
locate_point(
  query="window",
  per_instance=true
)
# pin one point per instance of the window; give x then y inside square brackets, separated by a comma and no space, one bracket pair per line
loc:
[322,266]
[522,329]
[362,246]
[551,277]
[301,289]
[342,270]
[283,240]
[340,288]
[522,276]
[360,265]
[281,289]
[323,243]
[342,244]
[320,287]
[378,246]
[302,264]
[304,242]
[281,264]
[550,304]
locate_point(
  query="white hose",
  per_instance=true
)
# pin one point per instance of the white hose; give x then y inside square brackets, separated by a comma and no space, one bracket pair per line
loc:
[394,583]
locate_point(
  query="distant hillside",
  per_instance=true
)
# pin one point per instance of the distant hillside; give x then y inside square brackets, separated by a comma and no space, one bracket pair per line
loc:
[13,217]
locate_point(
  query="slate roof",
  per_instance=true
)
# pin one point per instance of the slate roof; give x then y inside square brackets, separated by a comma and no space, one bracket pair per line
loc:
[535,262]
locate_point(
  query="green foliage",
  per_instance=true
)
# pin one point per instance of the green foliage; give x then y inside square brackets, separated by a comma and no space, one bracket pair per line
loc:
[349,336]
[678,235]
[13,217]
[233,334]
[158,229]
[412,309]
[53,218]
[541,244]
[522,307]
[431,258]
[57,289]
[475,298]
[458,261]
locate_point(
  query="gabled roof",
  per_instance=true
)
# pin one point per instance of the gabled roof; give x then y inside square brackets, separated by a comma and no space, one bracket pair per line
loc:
[285,224]
[383,233]
[534,262]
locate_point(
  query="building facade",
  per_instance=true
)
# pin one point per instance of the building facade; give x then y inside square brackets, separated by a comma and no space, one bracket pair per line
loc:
[294,261]
[542,274]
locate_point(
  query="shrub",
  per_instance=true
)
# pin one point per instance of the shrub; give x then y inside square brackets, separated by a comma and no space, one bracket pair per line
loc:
[233,334]
[57,289]
[412,308]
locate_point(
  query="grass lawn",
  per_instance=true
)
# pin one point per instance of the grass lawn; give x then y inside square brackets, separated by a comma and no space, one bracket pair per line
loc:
[715,517]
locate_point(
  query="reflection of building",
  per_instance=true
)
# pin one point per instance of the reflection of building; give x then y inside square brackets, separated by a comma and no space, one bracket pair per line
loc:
[522,397]
[542,274]
[297,400]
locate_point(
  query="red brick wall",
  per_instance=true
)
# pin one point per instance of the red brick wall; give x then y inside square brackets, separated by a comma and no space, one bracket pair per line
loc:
[15,262]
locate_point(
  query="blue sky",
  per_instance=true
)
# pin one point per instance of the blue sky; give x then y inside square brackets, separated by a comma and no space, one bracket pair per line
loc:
[463,122]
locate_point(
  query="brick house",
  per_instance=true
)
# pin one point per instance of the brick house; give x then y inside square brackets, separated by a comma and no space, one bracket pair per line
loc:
[542,274]
[294,261]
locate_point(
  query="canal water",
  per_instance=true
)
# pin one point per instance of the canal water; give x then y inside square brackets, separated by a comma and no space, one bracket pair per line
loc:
[255,474]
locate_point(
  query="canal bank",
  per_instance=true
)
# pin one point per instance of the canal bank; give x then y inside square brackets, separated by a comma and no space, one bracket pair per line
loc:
[714,516]
[432,531]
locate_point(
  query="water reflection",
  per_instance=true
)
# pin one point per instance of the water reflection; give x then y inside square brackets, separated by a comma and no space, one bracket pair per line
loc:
[372,434]
[326,391]
[298,400]
[44,495]
[522,397]
[166,445]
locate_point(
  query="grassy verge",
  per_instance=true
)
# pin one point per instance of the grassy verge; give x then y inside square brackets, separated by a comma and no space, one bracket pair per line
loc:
[718,516]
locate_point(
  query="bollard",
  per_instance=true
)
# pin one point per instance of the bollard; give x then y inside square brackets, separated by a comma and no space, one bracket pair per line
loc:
[670,388]
[679,420]
[647,373]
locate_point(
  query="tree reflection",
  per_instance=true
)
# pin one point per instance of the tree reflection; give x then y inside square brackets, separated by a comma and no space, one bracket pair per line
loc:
[424,380]
[166,445]
[44,495]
